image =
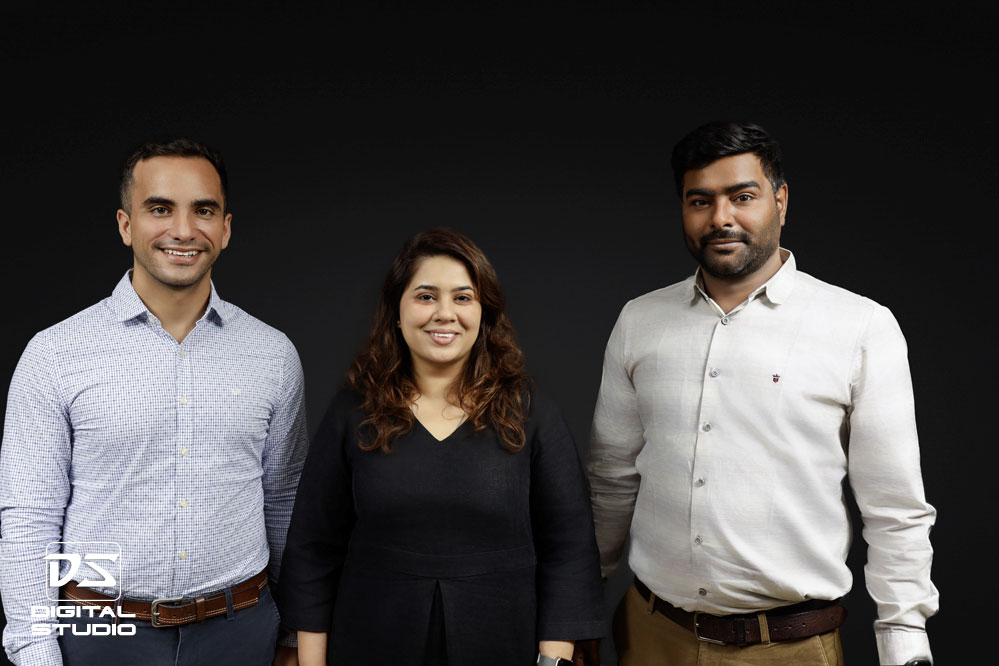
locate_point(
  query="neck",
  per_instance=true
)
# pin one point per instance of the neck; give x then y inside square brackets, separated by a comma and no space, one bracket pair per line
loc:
[435,383]
[728,292]
[177,308]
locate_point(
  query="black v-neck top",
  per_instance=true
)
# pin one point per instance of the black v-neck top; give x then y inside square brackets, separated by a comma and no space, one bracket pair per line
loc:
[508,538]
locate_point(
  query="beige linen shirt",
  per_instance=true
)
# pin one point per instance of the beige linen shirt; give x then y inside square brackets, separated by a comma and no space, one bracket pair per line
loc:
[722,441]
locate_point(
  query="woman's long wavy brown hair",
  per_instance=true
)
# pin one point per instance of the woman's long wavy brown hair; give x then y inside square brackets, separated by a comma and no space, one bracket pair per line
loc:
[493,388]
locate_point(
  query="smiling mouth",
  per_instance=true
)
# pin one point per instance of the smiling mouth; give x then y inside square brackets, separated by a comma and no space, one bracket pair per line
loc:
[442,338]
[185,253]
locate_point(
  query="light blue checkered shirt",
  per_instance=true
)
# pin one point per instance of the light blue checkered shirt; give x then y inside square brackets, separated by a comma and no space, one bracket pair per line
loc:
[187,455]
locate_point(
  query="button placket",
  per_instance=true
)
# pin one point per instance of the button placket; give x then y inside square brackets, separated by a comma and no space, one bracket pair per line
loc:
[184,470]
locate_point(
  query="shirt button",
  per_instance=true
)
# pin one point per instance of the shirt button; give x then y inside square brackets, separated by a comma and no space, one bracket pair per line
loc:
[183,503]
[714,372]
[724,321]
[706,427]
[701,591]
[184,451]
[699,482]
[182,554]
[698,540]
[183,400]
[182,353]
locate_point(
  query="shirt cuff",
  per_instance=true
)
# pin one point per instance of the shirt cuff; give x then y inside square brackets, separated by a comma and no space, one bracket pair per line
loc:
[900,645]
[38,653]
[288,638]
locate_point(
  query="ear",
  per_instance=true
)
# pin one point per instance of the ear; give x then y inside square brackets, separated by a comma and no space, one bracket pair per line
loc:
[781,195]
[124,228]
[227,230]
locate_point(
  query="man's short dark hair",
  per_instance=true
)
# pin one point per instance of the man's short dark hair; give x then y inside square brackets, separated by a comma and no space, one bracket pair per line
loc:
[171,147]
[719,139]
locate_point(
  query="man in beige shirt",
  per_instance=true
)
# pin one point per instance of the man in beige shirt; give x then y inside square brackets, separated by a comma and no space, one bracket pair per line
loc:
[732,406]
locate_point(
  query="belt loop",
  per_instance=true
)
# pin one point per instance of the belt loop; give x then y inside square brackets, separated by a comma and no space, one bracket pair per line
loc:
[740,632]
[764,628]
[199,608]
[652,602]
[230,612]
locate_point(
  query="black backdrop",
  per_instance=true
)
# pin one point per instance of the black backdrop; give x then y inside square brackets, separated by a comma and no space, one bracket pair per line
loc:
[544,135]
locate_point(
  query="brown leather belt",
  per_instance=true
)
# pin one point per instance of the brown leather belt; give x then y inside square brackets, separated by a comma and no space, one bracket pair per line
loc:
[787,623]
[173,612]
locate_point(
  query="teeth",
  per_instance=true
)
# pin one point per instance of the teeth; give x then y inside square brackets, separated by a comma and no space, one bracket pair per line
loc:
[443,335]
[189,253]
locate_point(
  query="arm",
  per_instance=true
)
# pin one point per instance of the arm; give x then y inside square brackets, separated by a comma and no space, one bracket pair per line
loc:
[34,490]
[311,648]
[569,592]
[616,440]
[283,456]
[320,530]
[886,480]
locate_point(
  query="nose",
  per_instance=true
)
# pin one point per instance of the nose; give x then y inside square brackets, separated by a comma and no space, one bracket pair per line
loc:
[723,214]
[445,310]
[182,226]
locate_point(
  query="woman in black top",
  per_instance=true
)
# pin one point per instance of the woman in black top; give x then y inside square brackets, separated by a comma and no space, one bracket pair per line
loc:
[442,517]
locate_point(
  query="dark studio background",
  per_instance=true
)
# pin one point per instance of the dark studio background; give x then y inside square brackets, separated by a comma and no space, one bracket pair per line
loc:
[545,136]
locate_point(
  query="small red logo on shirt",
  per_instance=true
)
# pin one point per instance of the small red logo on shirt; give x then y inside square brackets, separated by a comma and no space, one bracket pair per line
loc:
[776,378]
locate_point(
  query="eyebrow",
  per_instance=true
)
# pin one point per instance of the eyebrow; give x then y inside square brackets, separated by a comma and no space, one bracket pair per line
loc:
[731,189]
[430,287]
[205,203]
[159,200]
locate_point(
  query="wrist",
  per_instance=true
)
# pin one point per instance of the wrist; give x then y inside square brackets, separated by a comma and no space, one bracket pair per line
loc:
[553,661]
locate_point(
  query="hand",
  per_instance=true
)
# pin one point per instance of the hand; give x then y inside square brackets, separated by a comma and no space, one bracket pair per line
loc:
[286,656]
[587,653]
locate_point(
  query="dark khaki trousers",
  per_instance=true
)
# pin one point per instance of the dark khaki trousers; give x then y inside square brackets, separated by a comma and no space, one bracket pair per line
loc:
[646,638]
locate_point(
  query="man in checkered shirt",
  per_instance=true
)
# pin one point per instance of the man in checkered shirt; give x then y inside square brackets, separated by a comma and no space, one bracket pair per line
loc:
[165,422]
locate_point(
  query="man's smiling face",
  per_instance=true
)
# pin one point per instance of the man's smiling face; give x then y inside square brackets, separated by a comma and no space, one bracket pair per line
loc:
[176,223]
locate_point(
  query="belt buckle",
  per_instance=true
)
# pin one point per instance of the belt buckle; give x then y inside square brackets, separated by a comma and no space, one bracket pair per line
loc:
[697,632]
[154,613]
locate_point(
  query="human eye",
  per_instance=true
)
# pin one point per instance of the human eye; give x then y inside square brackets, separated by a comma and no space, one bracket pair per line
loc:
[745,197]
[463,298]
[426,297]
[205,212]
[699,203]
[159,210]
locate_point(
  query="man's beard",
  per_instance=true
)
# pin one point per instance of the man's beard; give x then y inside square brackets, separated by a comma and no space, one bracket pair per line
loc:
[757,252]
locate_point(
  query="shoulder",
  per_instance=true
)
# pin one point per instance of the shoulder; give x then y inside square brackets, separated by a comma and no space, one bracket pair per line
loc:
[544,415]
[240,323]
[541,403]
[82,329]
[843,305]
[346,400]
[829,294]
[658,303]
[345,408]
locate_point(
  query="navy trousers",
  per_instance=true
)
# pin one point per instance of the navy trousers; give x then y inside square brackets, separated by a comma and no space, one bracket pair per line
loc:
[247,638]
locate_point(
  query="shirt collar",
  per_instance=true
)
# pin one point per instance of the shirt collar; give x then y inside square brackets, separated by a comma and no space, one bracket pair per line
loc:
[777,289]
[127,305]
